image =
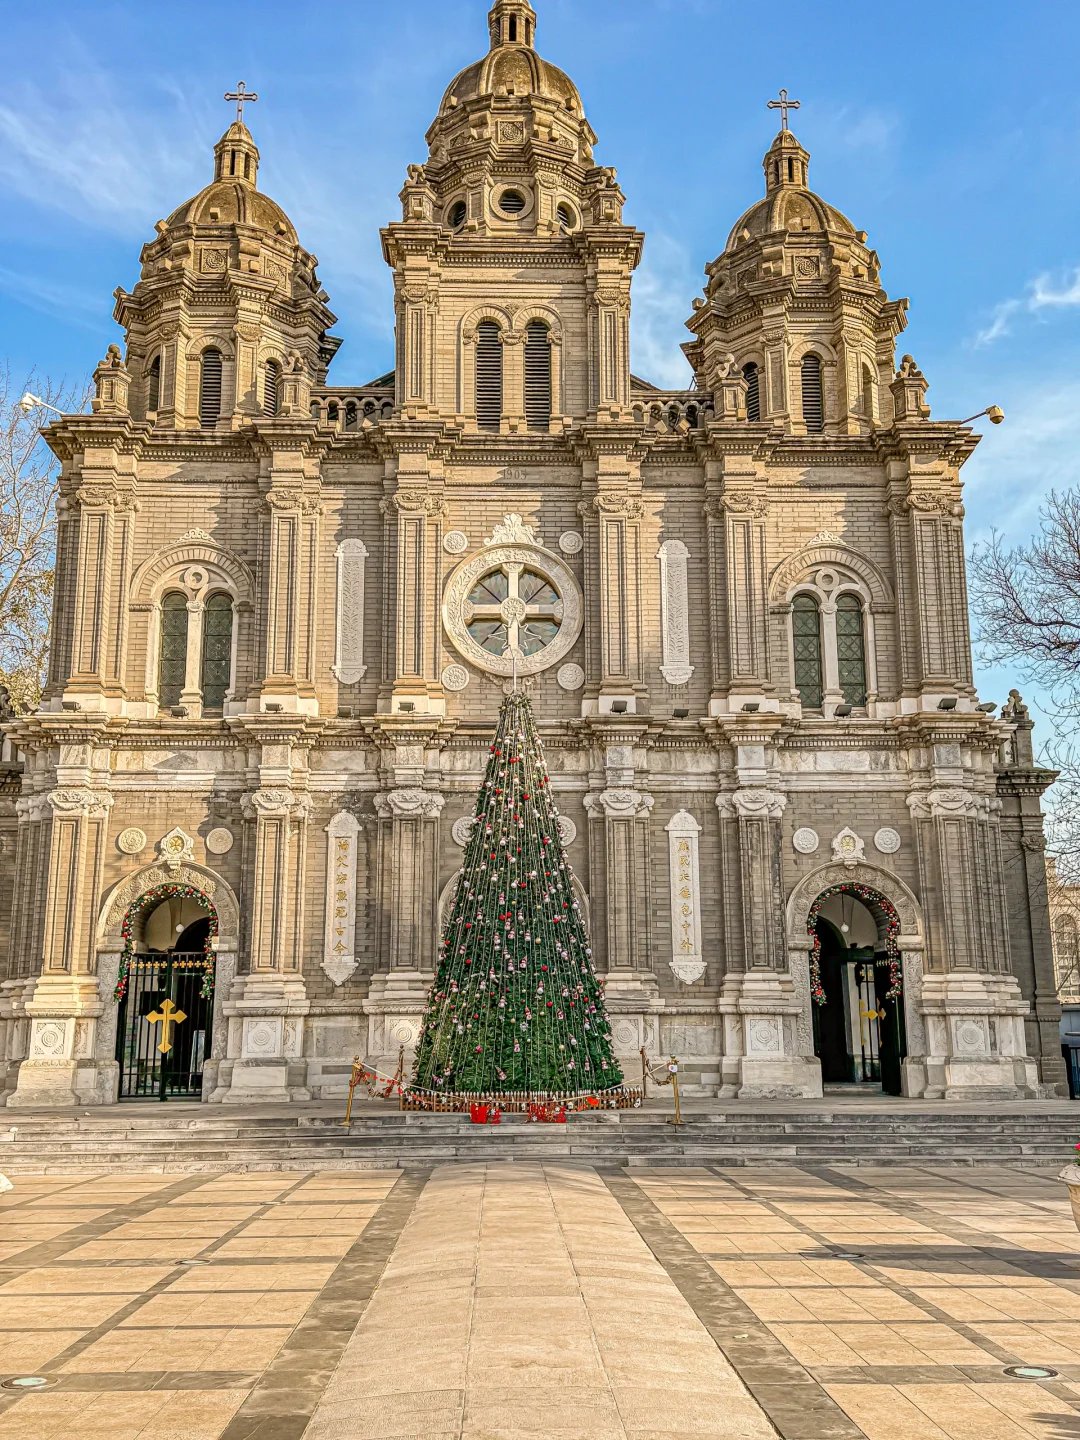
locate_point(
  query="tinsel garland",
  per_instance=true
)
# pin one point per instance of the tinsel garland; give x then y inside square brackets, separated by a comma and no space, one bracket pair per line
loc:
[892,930]
[148,901]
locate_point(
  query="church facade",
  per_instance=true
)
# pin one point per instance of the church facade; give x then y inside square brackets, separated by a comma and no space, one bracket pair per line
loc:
[287,612]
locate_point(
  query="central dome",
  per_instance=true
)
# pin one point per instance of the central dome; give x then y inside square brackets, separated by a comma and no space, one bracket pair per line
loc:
[512,66]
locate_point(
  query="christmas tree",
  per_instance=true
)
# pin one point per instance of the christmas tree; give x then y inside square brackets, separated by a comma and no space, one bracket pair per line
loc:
[516,1004]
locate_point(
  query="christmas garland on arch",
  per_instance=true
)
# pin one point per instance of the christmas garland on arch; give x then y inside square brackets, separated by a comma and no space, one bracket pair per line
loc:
[892,930]
[148,901]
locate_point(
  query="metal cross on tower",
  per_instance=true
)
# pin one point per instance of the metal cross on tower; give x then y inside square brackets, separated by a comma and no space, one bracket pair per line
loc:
[242,96]
[783,104]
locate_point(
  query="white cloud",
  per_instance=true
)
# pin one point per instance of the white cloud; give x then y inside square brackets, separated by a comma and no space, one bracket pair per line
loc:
[1043,294]
[663,287]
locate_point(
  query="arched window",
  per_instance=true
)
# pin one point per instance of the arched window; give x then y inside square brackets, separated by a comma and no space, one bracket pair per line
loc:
[868,392]
[459,213]
[753,391]
[153,385]
[489,376]
[851,649]
[813,404]
[210,389]
[1067,951]
[565,216]
[272,388]
[172,666]
[806,634]
[538,376]
[216,651]
[513,29]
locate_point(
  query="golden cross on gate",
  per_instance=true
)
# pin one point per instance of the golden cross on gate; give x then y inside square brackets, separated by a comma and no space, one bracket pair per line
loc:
[167,1017]
[242,96]
[783,105]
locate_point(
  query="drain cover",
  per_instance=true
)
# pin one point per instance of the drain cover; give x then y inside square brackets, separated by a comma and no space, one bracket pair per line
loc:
[26,1382]
[194,1262]
[1029,1372]
[848,1255]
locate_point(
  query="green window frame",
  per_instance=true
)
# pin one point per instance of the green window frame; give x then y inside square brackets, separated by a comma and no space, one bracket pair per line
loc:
[216,651]
[172,661]
[851,648]
[806,638]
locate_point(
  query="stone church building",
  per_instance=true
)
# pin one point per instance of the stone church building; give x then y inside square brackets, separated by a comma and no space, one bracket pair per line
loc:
[287,612]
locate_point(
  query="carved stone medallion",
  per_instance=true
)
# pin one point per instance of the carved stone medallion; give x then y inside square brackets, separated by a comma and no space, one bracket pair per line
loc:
[571,542]
[887,841]
[567,830]
[219,841]
[571,677]
[806,841]
[462,829]
[131,841]
[455,677]
[455,542]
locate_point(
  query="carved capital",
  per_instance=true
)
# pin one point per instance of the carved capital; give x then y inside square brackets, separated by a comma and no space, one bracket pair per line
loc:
[94,804]
[276,803]
[619,804]
[753,804]
[409,804]
[950,803]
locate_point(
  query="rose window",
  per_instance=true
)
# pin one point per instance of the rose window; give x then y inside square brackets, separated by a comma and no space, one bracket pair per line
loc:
[513,610]
[513,605]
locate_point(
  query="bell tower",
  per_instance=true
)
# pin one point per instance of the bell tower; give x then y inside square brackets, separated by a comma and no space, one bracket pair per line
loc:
[511,258]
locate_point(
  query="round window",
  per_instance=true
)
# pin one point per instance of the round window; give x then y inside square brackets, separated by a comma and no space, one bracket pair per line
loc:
[565,217]
[512,202]
[457,214]
[515,605]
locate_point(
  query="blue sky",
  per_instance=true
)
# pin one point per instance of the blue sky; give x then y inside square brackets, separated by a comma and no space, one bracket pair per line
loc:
[949,132]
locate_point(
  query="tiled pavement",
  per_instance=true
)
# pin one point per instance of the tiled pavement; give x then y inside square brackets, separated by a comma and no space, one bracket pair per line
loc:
[557,1301]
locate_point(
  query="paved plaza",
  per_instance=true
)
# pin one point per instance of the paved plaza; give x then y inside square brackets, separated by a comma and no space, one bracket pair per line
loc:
[557,1301]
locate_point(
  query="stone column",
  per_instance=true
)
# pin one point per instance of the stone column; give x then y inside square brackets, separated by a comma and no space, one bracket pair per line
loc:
[765,1053]
[62,1004]
[974,1011]
[268,1003]
[413,551]
[622,919]
[407,888]
[290,598]
[613,531]
[745,601]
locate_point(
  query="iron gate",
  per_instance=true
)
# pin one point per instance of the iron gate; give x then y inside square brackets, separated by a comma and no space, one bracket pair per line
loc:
[163,1026]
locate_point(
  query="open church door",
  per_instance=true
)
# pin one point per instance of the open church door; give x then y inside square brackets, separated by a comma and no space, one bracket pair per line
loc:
[892,1040]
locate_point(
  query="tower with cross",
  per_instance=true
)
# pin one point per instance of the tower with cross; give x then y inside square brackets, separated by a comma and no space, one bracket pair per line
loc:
[781,103]
[243,96]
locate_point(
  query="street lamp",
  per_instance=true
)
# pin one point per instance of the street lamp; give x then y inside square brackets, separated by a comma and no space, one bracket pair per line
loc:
[993,413]
[34,402]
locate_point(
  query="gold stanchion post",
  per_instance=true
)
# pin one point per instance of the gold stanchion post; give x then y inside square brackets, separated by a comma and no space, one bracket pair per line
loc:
[644,1073]
[354,1080]
[673,1071]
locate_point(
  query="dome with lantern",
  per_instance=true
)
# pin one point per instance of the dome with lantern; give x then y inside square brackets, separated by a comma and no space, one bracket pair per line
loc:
[512,65]
[232,197]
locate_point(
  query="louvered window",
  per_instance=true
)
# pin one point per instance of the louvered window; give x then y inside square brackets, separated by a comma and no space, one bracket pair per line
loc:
[538,376]
[868,392]
[511,202]
[210,389]
[806,634]
[172,667]
[813,406]
[753,391]
[489,376]
[851,649]
[565,216]
[217,651]
[272,388]
[459,213]
[153,385]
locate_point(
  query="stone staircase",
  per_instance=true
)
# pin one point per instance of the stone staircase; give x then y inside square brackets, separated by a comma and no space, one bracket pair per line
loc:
[174,1139]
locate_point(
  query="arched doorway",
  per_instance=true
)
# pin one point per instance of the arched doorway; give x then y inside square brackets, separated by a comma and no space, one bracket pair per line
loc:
[165,992]
[856,985]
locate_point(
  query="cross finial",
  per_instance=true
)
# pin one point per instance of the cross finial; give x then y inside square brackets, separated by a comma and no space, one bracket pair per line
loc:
[242,96]
[783,104]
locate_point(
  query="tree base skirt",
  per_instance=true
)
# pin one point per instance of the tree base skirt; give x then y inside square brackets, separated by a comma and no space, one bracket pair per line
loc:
[620,1097]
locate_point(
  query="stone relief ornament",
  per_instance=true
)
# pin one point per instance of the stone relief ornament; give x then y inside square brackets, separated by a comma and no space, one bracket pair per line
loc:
[567,830]
[753,804]
[131,841]
[402,804]
[674,613]
[348,664]
[93,803]
[455,677]
[512,531]
[461,830]
[455,542]
[219,841]
[571,677]
[848,848]
[571,542]
[620,804]
[513,600]
[176,848]
[339,947]
[887,841]
[687,962]
[805,840]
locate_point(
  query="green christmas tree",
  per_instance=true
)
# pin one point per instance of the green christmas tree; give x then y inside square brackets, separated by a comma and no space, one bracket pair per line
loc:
[516,1004]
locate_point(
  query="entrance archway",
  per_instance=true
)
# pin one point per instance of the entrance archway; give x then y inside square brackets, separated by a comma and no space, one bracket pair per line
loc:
[856,987]
[164,990]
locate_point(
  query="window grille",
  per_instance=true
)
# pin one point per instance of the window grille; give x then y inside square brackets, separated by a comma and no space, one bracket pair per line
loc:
[153,385]
[806,634]
[272,388]
[217,651]
[459,213]
[851,649]
[210,389]
[538,376]
[564,215]
[813,405]
[172,666]
[511,202]
[489,376]
[753,391]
